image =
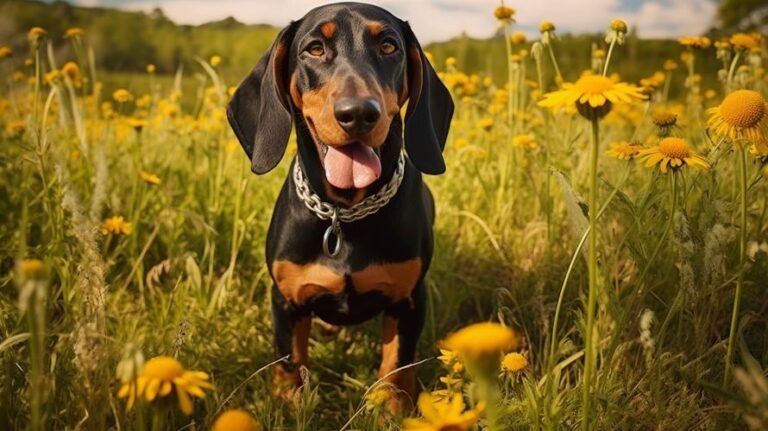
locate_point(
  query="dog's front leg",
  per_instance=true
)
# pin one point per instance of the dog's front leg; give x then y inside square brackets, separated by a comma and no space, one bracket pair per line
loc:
[291,331]
[401,327]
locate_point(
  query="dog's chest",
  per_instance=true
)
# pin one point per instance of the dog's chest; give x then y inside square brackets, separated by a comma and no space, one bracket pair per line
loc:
[300,282]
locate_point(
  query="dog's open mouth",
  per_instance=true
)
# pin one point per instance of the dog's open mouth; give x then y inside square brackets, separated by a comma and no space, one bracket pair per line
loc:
[350,166]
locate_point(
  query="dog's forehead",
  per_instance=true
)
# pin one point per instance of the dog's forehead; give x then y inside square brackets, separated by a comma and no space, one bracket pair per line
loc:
[352,13]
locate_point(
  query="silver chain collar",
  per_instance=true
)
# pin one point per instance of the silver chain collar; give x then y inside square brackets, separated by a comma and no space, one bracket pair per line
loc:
[362,209]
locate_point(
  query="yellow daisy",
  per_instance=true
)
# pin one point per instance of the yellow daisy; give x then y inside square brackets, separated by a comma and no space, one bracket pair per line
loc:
[150,178]
[702,42]
[743,41]
[481,339]
[518,37]
[116,225]
[504,13]
[743,115]
[159,377]
[672,152]
[664,121]
[215,60]
[443,415]
[122,95]
[514,362]
[235,420]
[525,141]
[31,268]
[623,150]
[5,52]
[73,32]
[593,96]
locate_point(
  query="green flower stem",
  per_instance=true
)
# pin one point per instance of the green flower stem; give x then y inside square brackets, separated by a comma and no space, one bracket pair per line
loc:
[608,57]
[589,354]
[742,262]
[554,63]
[731,70]
[678,301]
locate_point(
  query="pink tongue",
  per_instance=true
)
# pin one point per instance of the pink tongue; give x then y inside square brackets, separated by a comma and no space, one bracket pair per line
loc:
[353,165]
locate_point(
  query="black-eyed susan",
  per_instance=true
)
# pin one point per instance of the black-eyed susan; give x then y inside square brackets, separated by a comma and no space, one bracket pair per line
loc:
[672,153]
[481,339]
[163,376]
[592,95]
[514,362]
[526,141]
[122,95]
[235,420]
[443,414]
[743,115]
[624,150]
[116,225]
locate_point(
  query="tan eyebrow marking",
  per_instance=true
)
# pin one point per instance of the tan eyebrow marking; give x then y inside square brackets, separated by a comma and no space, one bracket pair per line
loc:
[328,29]
[375,27]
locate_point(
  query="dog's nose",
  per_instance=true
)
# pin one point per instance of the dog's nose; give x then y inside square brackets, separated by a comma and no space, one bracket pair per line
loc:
[357,115]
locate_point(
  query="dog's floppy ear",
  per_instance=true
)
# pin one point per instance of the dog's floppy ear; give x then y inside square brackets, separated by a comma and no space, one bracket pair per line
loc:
[259,112]
[429,111]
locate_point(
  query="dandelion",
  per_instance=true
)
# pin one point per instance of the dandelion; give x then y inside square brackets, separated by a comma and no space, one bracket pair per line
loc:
[151,68]
[443,415]
[116,225]
[73,32]
[743,41]
[664,121]
[159,377]
[518,37]
[624,150]
[5,52]
[504,14]
[235,420]
[672,152]
[592,95]
[215,60]
[122,95]
[743,115]
[526,141]
[514,362]
[481,340]
[149,178]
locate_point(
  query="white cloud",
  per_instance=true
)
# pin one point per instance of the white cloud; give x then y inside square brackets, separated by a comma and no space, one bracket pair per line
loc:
[434,20]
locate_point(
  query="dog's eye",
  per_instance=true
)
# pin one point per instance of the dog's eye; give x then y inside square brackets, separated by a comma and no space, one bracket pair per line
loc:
[316,49]
[388,47]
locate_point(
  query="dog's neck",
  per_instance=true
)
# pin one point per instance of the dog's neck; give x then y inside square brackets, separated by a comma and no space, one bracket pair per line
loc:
[315,173]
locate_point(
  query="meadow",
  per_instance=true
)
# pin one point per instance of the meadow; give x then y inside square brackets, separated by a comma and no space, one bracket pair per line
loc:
[614,232]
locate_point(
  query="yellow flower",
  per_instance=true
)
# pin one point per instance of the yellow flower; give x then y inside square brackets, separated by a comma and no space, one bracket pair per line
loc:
[710,94]
[624,150]
[592,96]
[16,127]
[450,61]
[73,32]
[215,60]
[52,76]
[137,124]
[670,64]
[504,13]
[443,415]
[31,268]
[451,360]
[149,178]
[116,225]
[619,25]
[598,53]
[664,121]
[514,362]
[481,339]
[72,71]
[151,68]
[743,41]
[5,52]
[546,26]
[518,37]
[525,141]
[702,42]
[672,152]
[485,123]
[122,95]
[743,114]
[35,33]
[159,377]
[235,420]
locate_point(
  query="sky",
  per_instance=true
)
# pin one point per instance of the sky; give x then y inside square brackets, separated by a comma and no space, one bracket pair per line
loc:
[436,20]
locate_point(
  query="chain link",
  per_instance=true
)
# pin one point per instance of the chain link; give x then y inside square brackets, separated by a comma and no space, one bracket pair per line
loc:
[366,207]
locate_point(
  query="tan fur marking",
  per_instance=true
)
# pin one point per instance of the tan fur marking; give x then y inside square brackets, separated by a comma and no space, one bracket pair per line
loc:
[328,29]
[415,77]
[298,283]
[403,380]
[294,91]
[285,381]
[375,27]
[394,280]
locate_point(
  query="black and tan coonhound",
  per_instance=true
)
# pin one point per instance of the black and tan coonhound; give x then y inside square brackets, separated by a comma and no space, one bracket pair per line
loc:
[341,74]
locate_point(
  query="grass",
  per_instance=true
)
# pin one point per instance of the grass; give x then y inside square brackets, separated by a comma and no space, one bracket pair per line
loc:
[81,306]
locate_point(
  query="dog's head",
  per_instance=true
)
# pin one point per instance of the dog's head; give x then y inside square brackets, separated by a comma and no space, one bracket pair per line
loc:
[345,70]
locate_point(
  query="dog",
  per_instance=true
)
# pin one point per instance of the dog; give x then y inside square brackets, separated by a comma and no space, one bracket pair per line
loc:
[351,232]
